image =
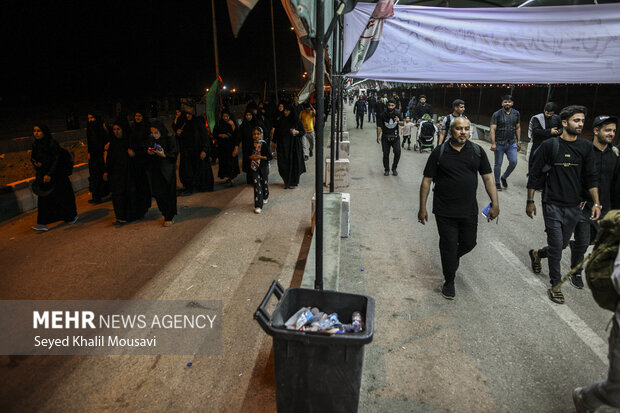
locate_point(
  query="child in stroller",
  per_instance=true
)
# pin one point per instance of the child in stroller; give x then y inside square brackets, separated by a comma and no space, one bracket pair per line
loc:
[426,134]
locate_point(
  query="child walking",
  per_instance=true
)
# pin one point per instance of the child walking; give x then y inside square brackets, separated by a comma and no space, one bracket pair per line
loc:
[407,130]
[260,169]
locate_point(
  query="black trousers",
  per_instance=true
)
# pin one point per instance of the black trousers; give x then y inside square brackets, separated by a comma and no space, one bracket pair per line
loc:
[359,120]
[457,236]
[96,168]
[386,144]
[260,178]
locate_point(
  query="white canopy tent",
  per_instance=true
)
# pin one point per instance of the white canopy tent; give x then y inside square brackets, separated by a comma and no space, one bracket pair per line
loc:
[555,44]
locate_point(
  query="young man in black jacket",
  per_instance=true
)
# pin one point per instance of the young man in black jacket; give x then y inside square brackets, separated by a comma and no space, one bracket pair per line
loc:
[387,136]
[562,168]
[606,156]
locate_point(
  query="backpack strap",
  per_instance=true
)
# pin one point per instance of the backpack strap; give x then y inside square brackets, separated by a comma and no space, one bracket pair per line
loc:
[554,154]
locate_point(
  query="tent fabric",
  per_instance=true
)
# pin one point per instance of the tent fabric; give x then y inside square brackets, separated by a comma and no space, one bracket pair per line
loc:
[559,44]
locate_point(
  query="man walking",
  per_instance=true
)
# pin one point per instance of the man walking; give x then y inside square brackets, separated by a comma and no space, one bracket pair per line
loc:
[307,120]
[505,139]
[421,109]
[454,168]
[387,136]
[561,168]
[542,127]
[359,109]
[606,158]
[458,110]
[372,101]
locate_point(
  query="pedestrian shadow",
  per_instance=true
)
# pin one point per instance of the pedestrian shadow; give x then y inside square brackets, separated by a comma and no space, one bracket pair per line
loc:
[93,215]
[195,212]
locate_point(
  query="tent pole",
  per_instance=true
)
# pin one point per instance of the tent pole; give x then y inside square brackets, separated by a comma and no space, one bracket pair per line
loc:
[548,93]
[479,104]
[275,64]
[332,141]
[320,121]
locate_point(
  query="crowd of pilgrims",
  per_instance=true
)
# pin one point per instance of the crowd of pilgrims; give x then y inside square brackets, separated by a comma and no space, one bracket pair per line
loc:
[132,163]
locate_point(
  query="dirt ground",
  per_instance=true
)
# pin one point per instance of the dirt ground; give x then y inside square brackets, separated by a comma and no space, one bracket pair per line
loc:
[16,166]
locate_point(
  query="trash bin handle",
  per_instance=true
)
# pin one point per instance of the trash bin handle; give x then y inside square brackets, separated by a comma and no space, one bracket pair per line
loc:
[261,315]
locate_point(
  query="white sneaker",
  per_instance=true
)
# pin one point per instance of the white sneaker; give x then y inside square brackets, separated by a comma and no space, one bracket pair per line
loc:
[40,228]
[257,210]
[265,201]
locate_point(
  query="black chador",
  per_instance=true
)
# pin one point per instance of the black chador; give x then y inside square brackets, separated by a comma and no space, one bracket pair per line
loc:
[59,204]
[97,137]
[139,142]
[195,168]
[247,142]
[163,152]
[124,176]
[288,135]
[227,144]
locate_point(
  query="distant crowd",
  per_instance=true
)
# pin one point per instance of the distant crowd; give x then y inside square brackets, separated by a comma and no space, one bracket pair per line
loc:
[133,162]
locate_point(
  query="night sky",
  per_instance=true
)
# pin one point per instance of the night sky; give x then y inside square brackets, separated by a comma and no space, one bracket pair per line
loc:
[64,50]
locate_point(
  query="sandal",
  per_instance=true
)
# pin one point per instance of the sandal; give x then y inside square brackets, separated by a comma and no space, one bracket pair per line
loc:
[536,265]
[555,296]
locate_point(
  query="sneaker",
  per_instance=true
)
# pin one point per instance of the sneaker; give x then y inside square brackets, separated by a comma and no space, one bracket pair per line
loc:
[394,172]
[168,223]
[40,228]
[499,187]
[73,221]
[504,183]
[580,407]
[535,261]
[265,201]
[576,281]
[447,291]
[386,173]
[305,157]
[258,210]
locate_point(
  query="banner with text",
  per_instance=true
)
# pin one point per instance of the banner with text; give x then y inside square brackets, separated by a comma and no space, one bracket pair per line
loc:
[559,44]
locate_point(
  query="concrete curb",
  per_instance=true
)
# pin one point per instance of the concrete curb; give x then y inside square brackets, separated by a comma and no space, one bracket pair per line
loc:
[17,197]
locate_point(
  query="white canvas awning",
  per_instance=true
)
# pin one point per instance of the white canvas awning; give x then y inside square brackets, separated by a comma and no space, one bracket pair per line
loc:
[557,44]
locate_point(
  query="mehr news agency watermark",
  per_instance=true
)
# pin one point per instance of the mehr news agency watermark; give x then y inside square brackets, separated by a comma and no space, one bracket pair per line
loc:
[110,327]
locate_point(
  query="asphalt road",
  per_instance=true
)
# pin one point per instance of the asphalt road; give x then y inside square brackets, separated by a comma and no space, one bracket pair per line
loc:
[501,345]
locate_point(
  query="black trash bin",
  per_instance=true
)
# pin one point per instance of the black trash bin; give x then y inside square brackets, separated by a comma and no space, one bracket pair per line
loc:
[316,372]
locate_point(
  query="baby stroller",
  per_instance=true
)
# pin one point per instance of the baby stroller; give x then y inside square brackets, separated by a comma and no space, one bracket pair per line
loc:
[426,135]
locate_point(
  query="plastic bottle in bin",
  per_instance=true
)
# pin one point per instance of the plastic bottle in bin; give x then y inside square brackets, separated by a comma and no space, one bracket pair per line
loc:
[357,322]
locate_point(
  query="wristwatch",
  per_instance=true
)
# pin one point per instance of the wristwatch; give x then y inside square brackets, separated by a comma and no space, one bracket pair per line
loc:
[530,201]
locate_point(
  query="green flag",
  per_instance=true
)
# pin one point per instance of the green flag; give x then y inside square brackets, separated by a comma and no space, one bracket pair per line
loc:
[212,101]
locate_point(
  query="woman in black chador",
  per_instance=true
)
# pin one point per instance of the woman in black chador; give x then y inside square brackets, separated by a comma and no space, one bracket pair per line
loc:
[287,137]
[123,172]
[139,143]
[56,200]
[227,147]
[195,167]
[97,137]
[163,153]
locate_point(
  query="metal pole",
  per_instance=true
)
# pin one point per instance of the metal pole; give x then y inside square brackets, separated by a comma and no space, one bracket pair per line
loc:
[275,64]
[332,139]
[217,59]
[595,97]
[479,104]
[320,120]
[548,93]
[341,65]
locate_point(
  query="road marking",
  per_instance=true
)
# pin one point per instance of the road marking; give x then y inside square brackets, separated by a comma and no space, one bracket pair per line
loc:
[585,333]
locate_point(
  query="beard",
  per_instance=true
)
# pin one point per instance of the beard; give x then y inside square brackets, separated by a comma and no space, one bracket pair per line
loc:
[573,131]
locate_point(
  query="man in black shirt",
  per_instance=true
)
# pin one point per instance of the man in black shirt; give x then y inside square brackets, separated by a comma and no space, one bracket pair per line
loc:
[505,139]
[455,169]
[372,101]
[387,136]
[606,158]
[422,108]
[359,110]
[561,167]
